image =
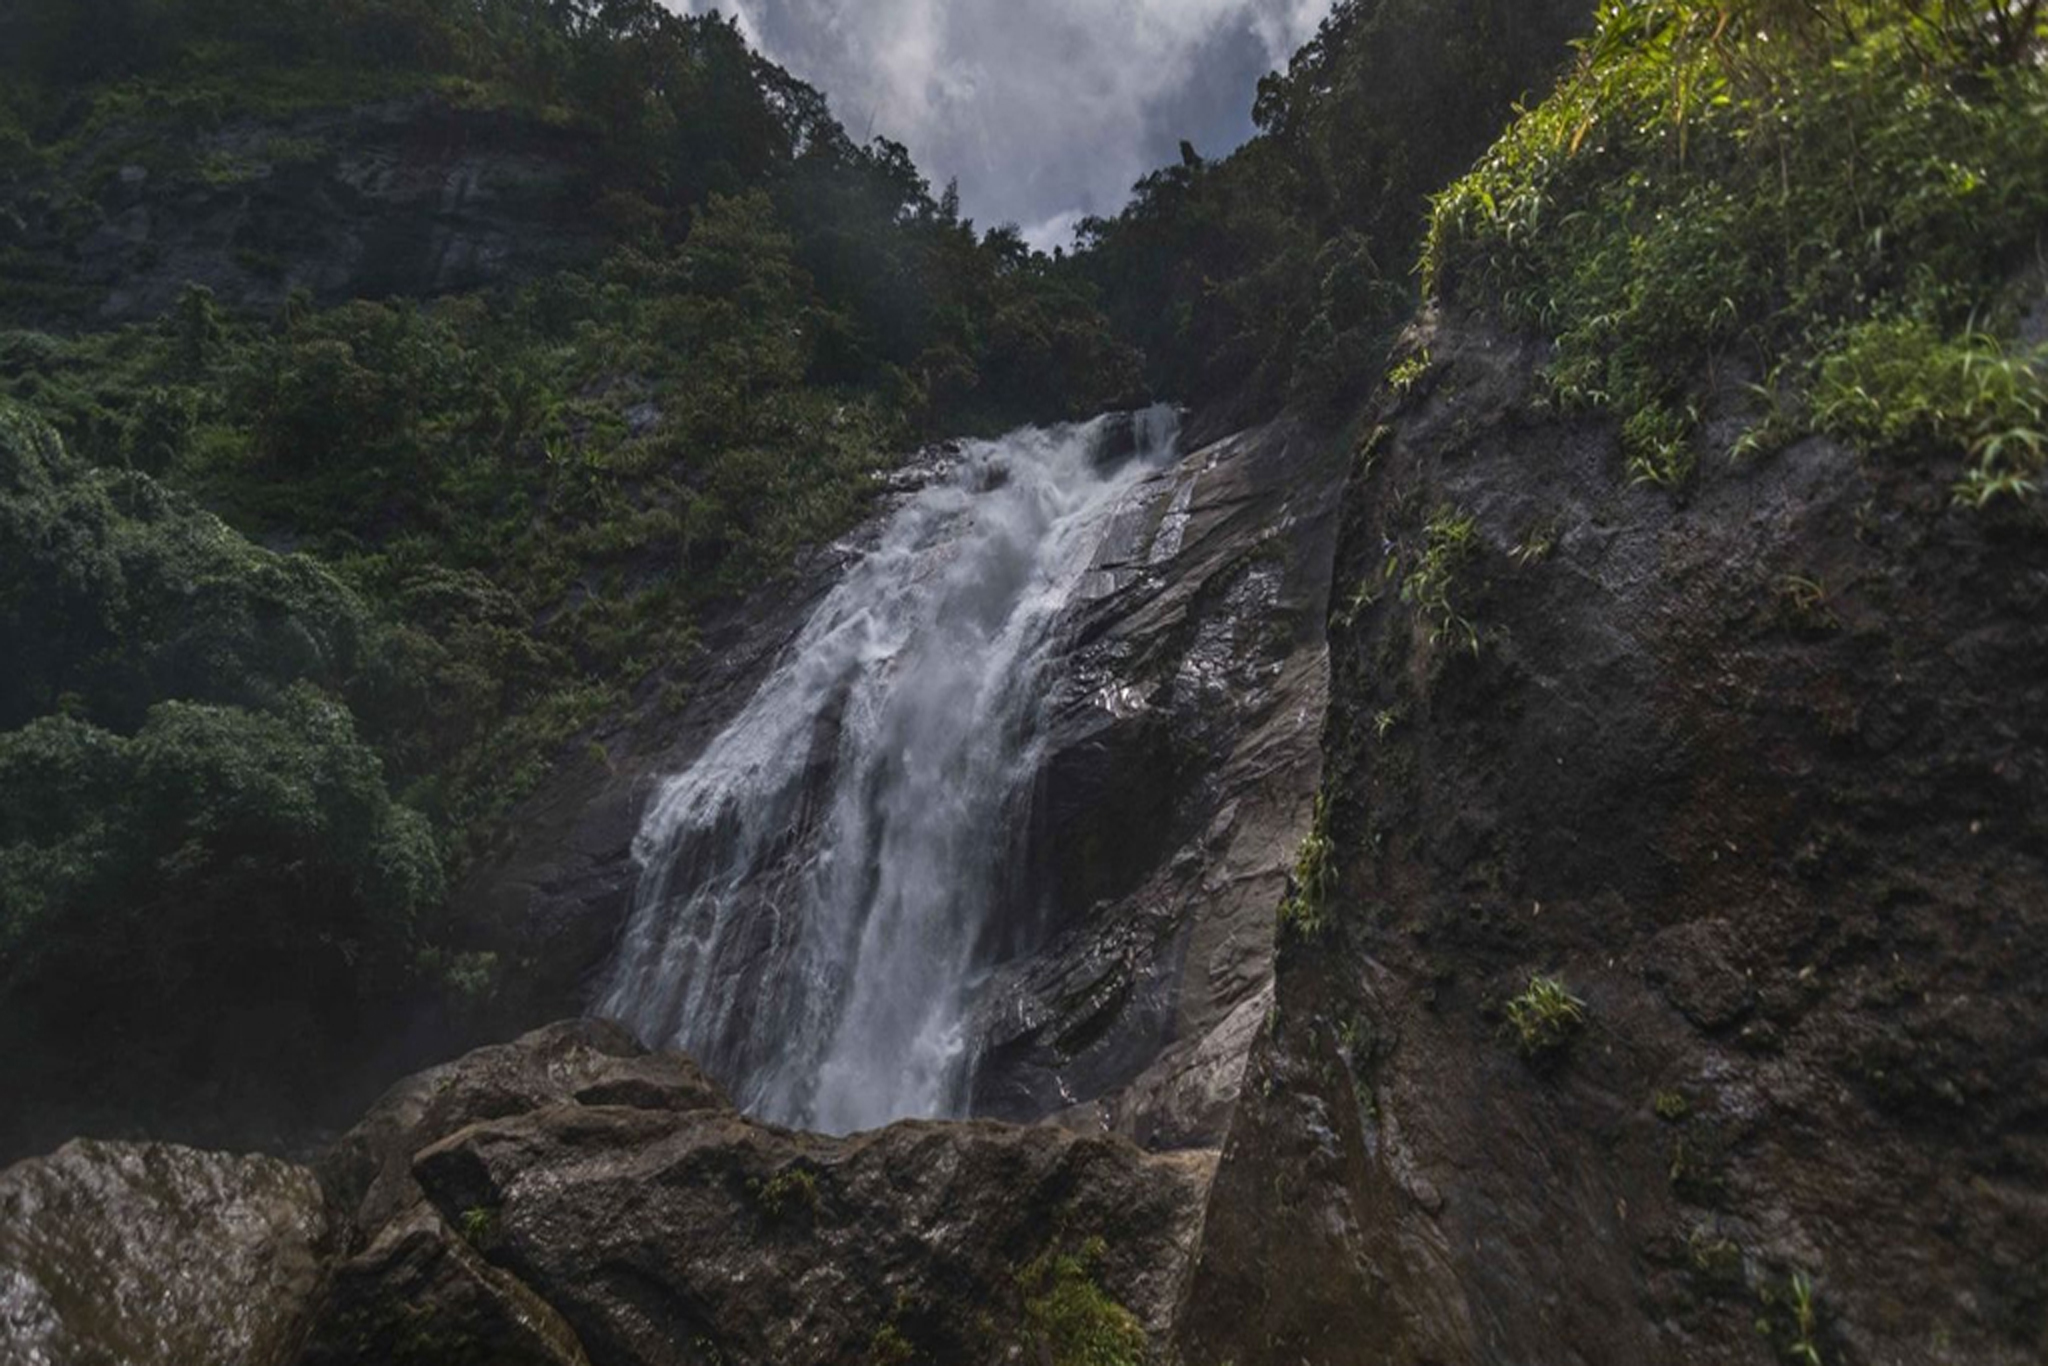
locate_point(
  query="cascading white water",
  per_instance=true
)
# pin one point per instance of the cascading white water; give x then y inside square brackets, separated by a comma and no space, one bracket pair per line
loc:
[816,890]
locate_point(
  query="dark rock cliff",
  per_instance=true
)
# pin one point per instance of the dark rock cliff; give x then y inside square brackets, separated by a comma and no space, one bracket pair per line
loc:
[1755,773]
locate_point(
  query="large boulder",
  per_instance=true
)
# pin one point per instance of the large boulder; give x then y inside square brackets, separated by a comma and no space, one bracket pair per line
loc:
[369,1171]
[669,1237]
[571,1198]
[413,1287]
[419,1295]
[115,1254]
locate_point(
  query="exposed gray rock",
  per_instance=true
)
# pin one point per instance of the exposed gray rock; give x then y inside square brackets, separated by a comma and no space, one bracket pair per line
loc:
[667,1238]
[368,1173]
[1184,755]
[115,1254]
[419,1295]
[414,1288]
[587,1196]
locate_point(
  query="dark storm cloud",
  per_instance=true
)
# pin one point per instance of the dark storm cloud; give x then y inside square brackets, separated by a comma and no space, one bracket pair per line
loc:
[1043,109]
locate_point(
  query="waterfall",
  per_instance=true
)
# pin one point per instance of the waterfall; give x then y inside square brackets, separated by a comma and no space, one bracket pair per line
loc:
[821,891]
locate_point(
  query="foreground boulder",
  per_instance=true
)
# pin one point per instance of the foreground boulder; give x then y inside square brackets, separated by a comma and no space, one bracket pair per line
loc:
[667,1237]
[142,1253]
[572,1200]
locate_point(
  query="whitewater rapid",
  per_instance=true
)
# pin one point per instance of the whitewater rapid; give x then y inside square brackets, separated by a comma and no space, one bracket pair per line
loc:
[818,892]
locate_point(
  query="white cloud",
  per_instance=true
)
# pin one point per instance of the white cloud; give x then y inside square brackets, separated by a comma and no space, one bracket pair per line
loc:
[1045,110]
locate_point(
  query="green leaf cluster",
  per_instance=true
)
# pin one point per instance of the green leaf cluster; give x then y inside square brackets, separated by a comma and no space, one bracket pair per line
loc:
[1836,198]
[1070,1319]
[1281,273]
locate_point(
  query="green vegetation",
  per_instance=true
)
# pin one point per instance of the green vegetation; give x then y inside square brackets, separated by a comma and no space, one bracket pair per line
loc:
[1791,1319]
[889,1347]
[1449,541]
[1069,1319]
[1282,272]
[1837,198]
[1305,912]
[189,814]
[791,1192]
[481,1226]
[1545,1018]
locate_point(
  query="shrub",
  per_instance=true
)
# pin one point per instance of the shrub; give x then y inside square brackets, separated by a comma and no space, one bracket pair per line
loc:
[1070,1319]
[1901,385]
[1305,910]
[206,898]
[790,1192]
[1545,1018]
[1449,541]
[1817,191]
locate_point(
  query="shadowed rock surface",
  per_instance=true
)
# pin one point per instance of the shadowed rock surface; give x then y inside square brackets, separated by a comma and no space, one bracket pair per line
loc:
[1757,772]
[571,1200]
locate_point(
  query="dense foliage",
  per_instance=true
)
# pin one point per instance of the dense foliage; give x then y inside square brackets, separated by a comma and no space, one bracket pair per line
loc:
[1284,271]
[187,814]
[1842,202]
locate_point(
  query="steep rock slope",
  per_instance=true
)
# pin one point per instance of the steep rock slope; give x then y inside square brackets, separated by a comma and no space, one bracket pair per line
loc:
[1754,774]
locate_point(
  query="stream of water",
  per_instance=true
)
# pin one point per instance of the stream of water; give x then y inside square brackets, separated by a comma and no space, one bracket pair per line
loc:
[815,898]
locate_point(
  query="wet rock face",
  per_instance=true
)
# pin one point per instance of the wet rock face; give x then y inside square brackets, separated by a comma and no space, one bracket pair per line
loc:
[409,197]
[1181,763]
[114,1253]
[1757,772]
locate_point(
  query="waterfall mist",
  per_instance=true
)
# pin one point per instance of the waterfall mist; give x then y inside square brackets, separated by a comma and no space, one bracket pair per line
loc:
[819,892]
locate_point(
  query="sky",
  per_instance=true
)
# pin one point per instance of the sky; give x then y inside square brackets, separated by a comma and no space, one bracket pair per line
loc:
[1044,110]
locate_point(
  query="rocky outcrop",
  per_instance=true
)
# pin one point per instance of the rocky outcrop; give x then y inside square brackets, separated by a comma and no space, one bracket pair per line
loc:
[671,1237]
[413,1287]
[407,197]
[419,1295]
[114,1253]
[1755,771]
[571,1200]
